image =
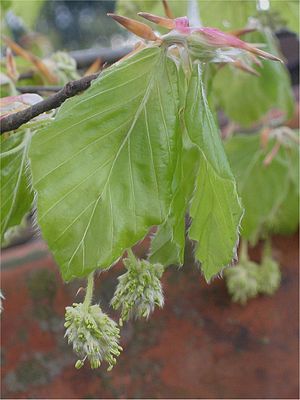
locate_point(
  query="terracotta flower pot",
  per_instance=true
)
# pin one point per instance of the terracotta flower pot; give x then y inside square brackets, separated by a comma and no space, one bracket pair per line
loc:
[199,346]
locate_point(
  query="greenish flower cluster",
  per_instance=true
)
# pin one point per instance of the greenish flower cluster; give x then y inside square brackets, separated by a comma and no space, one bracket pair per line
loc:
[269,276]
[139,290]
[64,66]
[93,334]
[242,282]
[248,279]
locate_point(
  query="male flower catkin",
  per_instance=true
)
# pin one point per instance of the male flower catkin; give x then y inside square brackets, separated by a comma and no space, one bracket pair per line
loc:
[93,334]
[269,275]
[242,281]
[139,290]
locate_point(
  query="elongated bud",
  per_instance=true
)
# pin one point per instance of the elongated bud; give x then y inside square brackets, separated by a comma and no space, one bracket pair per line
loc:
[264,137]
[255,60]
[36,61]
[167,9]
[241,32]
[216,38]
[138,28]
[244,67]
[165,22]
[272,154]
[11,65]
[137,47]
[260,53]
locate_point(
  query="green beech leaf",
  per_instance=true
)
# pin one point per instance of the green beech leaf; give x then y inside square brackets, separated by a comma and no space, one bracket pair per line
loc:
[168,244]
[103,169]
[268,193]
[16,195]
[215,209]
[248,97]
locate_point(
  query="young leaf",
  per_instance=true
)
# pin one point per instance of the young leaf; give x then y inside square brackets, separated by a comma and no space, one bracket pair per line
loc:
[215,209]
[16,194]
[249,97]
[168,244]
[263,189]
[103,169]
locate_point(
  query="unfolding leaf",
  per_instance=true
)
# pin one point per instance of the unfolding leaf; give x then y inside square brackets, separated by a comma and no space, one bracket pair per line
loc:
[168,244]
[267,192]
[16,195]
[103,169]
[215,209]
[246,98]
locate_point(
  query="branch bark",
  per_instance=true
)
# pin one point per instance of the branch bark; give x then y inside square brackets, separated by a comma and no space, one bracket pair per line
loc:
[15,120]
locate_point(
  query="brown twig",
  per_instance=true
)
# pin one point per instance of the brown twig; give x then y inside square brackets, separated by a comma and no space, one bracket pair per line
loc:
[14,121]
[38,89]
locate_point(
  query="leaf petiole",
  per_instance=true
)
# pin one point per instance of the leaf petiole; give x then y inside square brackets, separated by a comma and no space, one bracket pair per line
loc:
[89,291]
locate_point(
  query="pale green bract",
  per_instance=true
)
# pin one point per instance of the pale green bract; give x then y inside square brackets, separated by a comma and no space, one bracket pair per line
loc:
[103,169]
[16,194]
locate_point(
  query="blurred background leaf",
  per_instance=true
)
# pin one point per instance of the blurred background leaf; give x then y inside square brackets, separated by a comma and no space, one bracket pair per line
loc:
[269,192]
[246,98]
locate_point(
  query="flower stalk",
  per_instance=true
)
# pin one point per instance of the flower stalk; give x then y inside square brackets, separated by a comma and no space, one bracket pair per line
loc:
[92,333]
[89,291]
